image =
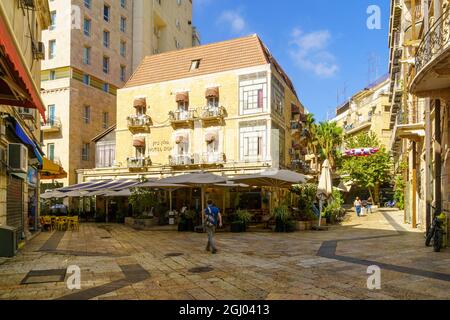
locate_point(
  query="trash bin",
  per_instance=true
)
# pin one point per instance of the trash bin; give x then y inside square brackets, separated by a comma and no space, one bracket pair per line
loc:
[8,241]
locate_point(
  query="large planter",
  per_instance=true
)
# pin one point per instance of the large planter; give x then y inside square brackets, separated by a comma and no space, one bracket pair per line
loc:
[302,225]
[186,225]
[237,227]
[140,223]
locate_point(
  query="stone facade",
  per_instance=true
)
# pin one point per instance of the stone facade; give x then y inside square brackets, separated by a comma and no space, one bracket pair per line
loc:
[367,110]
[80,89]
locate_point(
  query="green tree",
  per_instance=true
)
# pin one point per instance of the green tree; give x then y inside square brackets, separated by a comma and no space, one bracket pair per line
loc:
[368,172]
[329,138]
[309,136]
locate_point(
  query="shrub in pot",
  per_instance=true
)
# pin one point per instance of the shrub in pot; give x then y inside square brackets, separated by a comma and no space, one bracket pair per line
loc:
[242,218]
[282,218]
[186,221]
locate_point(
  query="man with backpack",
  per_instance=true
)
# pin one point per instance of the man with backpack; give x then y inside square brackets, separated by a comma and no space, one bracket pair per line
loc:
[213,218]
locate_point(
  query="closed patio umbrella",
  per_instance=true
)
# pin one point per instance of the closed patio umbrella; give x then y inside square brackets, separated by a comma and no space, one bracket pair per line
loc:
[325,187]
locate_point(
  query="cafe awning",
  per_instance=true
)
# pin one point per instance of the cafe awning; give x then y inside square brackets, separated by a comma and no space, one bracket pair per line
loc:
[16,80]
[51,170]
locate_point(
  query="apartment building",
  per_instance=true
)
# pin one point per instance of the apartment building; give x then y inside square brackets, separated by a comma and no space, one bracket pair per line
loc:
[420,60]
[21,110]
[367,110]
[224,107]
[93,47]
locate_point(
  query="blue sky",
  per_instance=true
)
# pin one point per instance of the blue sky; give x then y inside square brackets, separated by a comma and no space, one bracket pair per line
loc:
[325,46]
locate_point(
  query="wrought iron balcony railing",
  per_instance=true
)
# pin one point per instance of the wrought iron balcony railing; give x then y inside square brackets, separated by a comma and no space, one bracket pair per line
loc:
[213,158]
[184,159]
[435,41]
[138,162]
[52,124]
[138,121]
[182,115]
[212,112]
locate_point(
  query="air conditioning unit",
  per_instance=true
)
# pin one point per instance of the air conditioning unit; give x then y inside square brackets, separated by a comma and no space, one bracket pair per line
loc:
[39,50]
[26,113]
[17,157]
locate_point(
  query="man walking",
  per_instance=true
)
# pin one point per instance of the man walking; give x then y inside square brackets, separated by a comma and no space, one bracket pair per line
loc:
[212,219]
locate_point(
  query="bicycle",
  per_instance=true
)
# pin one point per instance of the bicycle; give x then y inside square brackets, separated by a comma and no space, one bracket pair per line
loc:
[435,234]
[390,204]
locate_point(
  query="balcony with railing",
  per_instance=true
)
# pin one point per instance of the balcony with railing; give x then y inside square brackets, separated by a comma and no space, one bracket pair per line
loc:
[182,118]
[433,59]
[363,122]
[396,13]
[213,158]
[51,126]
[212,115]
[138,122]
[138,162]
[184,160]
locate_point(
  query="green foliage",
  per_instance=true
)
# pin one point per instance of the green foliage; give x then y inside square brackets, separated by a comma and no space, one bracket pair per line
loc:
[281,213]
[189,214]
[367,172]
[334,210]
[399,191]
[307,194]
[329,138]
[143,199]
[243,216]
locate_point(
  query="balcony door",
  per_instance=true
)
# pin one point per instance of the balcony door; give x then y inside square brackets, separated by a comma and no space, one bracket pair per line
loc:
[51,114]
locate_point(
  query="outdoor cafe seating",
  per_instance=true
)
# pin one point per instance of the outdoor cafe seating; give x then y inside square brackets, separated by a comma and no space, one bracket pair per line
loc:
[64,223]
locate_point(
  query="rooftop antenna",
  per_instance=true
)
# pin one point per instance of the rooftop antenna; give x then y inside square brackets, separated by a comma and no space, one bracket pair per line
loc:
[373,62]
[341,95]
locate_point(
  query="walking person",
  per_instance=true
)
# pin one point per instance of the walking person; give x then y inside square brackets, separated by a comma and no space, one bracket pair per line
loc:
[358,206]
[369,203]
[213,218]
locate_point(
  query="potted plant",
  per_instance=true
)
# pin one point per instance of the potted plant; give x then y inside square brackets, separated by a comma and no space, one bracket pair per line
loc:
[186,221]
[283,219]
[242,218]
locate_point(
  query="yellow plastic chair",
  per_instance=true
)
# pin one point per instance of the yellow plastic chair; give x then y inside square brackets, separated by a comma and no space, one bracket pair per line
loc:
[73,223]
[47,221]
[61,223]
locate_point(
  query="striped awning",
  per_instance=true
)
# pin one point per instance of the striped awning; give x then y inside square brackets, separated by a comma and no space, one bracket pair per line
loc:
[182,97]
[212,92]
[84,185]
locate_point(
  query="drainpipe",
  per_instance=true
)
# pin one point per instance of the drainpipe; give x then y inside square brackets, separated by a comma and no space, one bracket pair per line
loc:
[428,189]
[414,186]
[437,157]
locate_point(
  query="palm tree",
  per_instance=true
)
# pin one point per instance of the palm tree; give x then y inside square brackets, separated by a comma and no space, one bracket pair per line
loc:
[329,137]
[308,137]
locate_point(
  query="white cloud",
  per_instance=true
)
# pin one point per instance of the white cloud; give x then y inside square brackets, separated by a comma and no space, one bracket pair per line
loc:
[310,52]
[235,21]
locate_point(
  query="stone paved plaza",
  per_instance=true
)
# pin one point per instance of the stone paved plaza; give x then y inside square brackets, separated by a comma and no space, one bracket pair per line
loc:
[118,262]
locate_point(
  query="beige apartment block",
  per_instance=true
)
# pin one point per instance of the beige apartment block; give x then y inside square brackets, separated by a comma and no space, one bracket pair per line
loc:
[367,110]
[21,110]
[93,47]
[224,107]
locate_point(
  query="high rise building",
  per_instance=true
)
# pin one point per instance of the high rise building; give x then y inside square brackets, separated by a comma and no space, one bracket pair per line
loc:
[93,47]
